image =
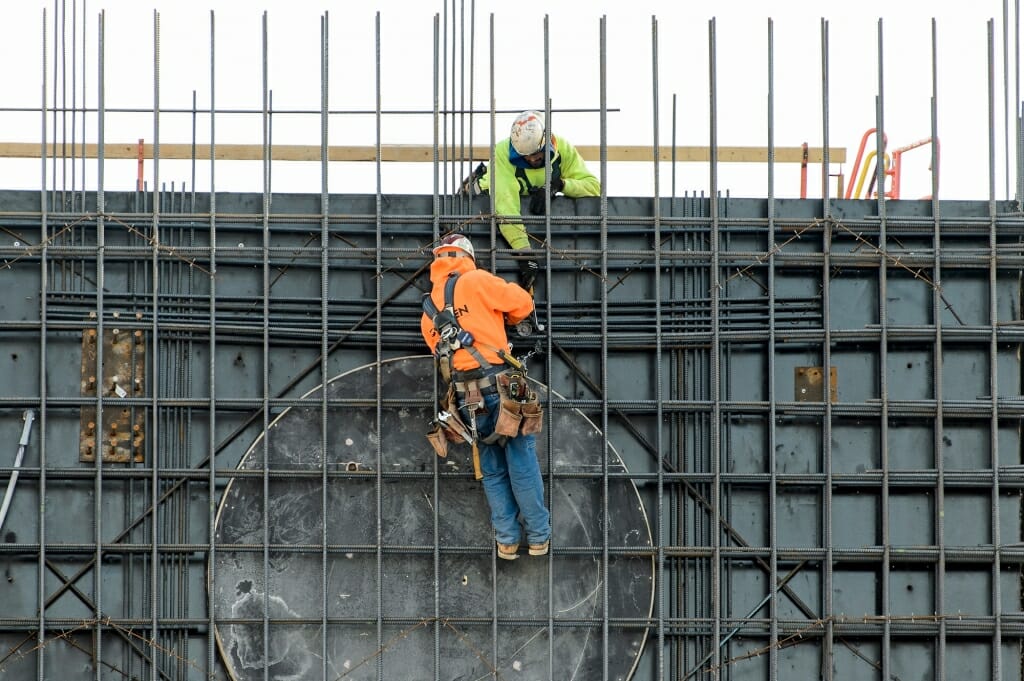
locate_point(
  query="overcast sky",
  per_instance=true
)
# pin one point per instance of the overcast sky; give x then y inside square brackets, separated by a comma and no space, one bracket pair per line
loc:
[407,80]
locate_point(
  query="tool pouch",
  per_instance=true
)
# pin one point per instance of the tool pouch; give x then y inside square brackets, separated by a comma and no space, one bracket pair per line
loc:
[452,434]
[438,439]
[532,416]
[509,418]
[449,404]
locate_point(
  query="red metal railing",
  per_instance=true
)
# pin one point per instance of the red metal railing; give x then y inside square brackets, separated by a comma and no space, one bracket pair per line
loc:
[892,169]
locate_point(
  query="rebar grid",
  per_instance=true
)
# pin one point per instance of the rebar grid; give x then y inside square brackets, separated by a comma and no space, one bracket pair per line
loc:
[716,302]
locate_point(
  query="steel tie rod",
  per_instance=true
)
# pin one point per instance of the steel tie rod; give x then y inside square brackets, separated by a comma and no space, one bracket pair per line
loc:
[29,416]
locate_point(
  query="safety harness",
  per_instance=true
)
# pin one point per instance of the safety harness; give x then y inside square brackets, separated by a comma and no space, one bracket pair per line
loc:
[508,380]
[556,172]
[452,337]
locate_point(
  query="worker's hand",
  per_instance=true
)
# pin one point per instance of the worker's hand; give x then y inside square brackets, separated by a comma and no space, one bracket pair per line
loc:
[528,270]
[537,206]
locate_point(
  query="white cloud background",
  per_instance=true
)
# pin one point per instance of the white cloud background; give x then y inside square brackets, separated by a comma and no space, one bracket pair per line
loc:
[407,83]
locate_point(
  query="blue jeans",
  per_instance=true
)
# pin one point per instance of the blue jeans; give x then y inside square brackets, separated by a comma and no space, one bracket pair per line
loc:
[512,482]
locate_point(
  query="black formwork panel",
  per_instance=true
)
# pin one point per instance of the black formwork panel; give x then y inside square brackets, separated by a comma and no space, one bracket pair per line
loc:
[787,442]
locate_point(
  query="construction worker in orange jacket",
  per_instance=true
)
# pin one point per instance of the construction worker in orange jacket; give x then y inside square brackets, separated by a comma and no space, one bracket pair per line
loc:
[484,303]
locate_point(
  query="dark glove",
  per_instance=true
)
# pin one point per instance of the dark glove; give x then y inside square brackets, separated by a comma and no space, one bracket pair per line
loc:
[528,270]
[537,195]
[537,201]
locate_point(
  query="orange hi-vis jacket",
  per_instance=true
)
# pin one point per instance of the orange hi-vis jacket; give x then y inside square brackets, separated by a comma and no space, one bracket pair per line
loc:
[483,303]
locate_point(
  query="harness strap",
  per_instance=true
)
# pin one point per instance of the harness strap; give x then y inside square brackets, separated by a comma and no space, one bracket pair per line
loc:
[449,290]
[524,182]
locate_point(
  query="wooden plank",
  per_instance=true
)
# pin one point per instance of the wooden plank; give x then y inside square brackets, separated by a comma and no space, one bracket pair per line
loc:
[411,153]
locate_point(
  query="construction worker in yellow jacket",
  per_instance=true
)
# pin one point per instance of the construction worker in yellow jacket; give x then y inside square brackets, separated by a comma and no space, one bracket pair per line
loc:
[518,170]
[481,305]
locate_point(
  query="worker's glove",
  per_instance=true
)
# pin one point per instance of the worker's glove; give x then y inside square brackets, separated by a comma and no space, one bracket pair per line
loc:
[537,195]
[537,206]
[471,185]
[528,270]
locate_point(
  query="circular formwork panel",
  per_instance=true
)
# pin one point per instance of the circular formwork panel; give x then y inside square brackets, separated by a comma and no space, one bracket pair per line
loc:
[468,614]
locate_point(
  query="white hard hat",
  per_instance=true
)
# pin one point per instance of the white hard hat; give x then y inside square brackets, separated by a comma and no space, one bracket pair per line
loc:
[456,241]
[528,133]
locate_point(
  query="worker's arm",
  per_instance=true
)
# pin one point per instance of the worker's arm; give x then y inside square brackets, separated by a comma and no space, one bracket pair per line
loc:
[511,299]
[579,181]
[428,331]
[507,204]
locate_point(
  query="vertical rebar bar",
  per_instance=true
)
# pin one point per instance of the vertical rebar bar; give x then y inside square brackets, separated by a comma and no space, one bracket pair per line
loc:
[155,347]
[99,440]
[435,231]
[41,375]
[492,220]
[211,436]
[672,190]
[192,159]
[63,103]
[1017,105]
[56,107]
[444,99]
[773,483]
[493,241]
[378,342]
[716,349]
[939,425]
[883,353]
[1006,98]
[325,278]
[993,372]
[154,586]
[436,116]
[826,368]
[605,444]
[74,97]
[85,100]
[457,161]
[468,168]
[659,532]
[265,360]
[550,572]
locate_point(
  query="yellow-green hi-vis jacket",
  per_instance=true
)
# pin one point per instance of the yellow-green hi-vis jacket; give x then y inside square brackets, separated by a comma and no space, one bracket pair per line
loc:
[508,188]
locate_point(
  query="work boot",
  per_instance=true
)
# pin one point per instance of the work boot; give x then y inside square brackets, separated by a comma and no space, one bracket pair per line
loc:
[540,549]
[508,551]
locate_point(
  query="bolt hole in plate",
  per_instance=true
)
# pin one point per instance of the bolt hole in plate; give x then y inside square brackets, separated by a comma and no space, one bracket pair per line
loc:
[398,582]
